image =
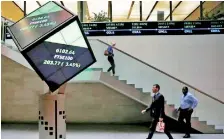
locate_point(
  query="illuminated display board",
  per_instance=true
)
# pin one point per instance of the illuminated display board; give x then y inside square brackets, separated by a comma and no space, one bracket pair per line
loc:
[57,56]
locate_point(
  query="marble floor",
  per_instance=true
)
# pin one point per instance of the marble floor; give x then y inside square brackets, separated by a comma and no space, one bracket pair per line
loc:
[15,131]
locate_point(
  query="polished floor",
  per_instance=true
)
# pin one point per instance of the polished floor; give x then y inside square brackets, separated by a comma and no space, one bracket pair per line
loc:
[18,131]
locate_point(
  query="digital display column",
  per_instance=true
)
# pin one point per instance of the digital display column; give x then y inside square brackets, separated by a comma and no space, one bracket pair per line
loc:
[51,40]
[61,56]
[39,23]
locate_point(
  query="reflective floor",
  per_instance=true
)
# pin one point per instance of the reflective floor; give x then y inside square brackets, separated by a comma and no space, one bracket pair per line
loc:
[30,131]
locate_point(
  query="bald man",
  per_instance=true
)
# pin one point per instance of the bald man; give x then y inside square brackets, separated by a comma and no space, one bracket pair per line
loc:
[187,105]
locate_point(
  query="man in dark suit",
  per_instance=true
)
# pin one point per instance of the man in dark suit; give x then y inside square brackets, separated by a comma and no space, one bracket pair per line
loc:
[157,111]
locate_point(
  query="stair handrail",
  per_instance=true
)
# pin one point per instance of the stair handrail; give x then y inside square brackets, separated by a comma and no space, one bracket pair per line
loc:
[196,89]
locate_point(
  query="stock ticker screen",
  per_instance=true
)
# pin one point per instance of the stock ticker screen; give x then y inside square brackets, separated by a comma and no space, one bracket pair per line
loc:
[39,23]
[61,56]
[154,28]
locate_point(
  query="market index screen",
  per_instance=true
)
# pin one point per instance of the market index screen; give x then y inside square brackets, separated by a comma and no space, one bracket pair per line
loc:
[59,57]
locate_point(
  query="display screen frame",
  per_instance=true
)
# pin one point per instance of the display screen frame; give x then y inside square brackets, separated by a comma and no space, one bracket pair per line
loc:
[48,35]
[59,29]
[153,28]
[45,35]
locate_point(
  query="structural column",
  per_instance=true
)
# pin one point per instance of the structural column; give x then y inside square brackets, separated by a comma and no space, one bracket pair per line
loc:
[110,11]
[140,7]
[171,11]
[201,10]
[52,116]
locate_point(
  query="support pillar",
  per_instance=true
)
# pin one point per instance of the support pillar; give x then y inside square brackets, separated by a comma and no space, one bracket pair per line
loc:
[52,116]
[201,10]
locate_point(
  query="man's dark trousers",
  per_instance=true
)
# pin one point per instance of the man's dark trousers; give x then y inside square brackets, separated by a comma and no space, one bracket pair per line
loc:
[186,114]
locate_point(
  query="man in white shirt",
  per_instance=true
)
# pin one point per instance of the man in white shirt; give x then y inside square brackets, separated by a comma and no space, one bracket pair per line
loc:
[187,105]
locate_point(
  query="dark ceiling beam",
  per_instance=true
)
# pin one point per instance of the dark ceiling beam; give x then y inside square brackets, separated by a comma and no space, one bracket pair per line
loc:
[140,10]
[193,11]
[62,3]
[25,7]
[152,10]
[130,10]
[108,10]
[18,6]
[173,10]
[38,3]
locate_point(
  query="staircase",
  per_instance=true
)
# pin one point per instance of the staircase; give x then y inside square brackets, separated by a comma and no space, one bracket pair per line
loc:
[141,77]
[134,79]
[145,98]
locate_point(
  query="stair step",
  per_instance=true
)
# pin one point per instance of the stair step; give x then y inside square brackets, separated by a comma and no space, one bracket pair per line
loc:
[220,130]
[116,77]
[107,73]
[140,89]
[131,85]
[147,93]
[124,81]
[203,122]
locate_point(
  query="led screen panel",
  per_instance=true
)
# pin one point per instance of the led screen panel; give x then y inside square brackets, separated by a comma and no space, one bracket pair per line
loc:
[39,23]
[60,56]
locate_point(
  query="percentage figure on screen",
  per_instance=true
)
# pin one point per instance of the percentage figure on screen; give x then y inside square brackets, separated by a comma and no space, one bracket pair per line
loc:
[77,65]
